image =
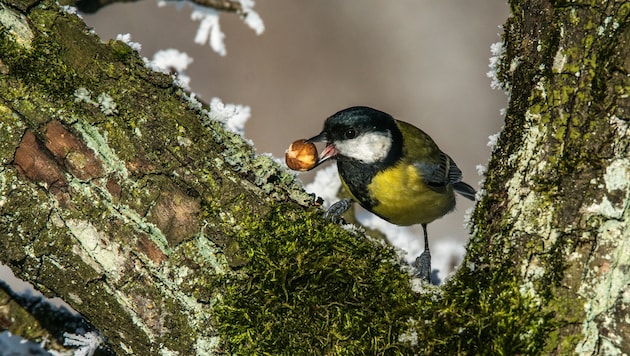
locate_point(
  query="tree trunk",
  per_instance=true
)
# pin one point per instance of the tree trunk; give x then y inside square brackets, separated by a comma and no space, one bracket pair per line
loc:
[120,194]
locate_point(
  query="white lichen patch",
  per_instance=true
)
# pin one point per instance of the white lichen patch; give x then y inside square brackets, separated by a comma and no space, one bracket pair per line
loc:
[103,101]
[605,208]
[17,25]
[96,249]
[126,214]
[56,220]
[106,104]
[516,61]
[621,126]
[559,60]
[541,86]
[83,95]
[131,307]
[532,142]
[602,29]
[532,269]
[610,281]
[617,175]
[168,352]
[531,272]
[529,211]
[184,141]
[616,178]
[528,290]
[179,275]
[75,298]
[208,345]
[212,255]
[98,143]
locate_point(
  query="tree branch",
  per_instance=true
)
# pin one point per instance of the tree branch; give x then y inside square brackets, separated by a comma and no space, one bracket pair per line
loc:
[92,6]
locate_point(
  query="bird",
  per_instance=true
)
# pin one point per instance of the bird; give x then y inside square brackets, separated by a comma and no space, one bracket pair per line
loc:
[392,169]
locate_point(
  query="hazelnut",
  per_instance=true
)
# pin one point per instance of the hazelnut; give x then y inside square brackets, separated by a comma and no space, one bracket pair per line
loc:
[301,155]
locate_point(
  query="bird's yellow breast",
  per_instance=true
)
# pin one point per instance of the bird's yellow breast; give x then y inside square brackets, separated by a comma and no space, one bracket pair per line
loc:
[404,199]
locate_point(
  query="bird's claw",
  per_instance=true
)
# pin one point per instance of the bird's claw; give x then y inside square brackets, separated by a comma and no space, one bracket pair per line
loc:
[337,209]
[423,266]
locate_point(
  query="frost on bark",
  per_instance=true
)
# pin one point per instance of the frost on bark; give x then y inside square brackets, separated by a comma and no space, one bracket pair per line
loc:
[168,234]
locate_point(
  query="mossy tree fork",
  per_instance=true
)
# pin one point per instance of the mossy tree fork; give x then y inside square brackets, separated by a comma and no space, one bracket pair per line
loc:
[168,234]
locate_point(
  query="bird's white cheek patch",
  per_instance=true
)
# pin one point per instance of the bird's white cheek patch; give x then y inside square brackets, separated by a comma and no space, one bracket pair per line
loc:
[368,148]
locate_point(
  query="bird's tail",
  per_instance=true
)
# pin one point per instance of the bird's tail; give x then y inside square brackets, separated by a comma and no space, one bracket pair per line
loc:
[465,190]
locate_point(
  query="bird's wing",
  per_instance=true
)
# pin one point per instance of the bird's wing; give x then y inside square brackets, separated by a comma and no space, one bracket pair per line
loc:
[436,167]
[440,172]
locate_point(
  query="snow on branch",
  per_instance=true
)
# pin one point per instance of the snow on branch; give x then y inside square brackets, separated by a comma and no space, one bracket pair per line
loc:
[209,30]
[86,344]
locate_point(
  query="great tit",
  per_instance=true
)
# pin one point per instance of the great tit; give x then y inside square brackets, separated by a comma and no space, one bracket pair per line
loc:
[393,169]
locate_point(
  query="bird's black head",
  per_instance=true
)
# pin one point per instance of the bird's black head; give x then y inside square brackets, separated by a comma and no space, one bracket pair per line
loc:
[361,134]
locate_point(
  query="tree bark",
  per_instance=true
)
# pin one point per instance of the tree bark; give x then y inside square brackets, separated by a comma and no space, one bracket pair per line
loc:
[119,194]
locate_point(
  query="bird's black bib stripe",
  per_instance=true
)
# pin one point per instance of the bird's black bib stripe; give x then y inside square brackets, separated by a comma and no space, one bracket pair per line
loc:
[356,174]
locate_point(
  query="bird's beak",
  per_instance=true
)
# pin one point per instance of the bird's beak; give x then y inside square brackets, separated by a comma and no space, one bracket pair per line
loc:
[319,138]
[329,151]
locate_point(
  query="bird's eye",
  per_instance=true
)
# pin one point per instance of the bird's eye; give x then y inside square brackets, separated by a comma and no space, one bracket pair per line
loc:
[350,134]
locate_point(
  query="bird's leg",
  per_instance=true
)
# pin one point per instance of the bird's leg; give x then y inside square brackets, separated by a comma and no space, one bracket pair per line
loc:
[336,210]
[423,262]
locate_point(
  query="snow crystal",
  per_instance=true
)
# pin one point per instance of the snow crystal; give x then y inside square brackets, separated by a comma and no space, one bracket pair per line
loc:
[481,169]
[87,343]
[493,139]
[497,50]
[410,338]
[171,58]
[209,30]
[251,17]
[233,116]
[71,10]
[166,59]
[127,39]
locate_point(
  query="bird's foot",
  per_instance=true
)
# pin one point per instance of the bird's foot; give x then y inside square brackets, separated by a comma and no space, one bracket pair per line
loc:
[423,266]
[337,209]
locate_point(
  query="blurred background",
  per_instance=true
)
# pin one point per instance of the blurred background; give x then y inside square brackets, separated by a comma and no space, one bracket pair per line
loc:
[424,62]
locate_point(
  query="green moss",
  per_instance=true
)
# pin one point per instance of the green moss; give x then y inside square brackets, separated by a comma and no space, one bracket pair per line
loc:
[41,65]
[483,311]
[21,206]
[572,311]
[121,51]
[311,287]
